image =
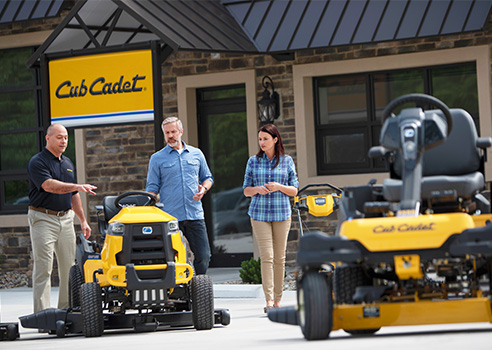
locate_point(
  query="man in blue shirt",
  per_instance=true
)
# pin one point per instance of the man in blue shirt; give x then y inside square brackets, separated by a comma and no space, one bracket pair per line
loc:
[180,174]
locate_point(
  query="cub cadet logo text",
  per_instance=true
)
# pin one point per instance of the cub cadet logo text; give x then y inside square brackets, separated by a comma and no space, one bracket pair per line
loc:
[403,228]
[98,87]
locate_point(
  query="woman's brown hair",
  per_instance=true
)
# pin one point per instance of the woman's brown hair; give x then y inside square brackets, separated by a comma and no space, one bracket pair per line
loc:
[279,146]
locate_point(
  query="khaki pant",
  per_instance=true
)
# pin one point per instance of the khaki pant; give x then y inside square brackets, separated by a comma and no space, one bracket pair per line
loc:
[272,243]
[50,233]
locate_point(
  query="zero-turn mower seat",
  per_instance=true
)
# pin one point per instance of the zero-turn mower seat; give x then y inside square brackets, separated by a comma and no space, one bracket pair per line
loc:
[455,164]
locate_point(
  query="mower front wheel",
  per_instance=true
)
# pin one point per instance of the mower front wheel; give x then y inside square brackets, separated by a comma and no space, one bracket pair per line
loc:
[202,298]
[75,280]
[315,305]
[91,309]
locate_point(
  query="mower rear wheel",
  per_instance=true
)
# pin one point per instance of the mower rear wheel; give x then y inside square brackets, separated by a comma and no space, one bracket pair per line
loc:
[202,298]
[346,278]
[75,280]
[91,309]
[315,305]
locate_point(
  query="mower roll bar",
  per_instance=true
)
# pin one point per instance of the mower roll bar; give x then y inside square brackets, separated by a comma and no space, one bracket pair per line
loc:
[338,190]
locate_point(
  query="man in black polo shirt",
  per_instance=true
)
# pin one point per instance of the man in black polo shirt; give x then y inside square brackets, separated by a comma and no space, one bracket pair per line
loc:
[53,194]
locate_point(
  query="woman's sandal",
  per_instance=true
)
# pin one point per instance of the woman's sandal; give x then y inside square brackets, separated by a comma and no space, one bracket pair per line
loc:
[266,308]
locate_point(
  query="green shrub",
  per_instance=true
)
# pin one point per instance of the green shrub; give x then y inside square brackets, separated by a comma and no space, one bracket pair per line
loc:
[250,271]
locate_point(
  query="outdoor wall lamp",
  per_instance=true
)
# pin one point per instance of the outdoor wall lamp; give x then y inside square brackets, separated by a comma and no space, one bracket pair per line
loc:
[268,106]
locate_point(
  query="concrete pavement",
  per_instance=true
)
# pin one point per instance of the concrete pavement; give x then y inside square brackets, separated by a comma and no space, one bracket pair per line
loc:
[249,329]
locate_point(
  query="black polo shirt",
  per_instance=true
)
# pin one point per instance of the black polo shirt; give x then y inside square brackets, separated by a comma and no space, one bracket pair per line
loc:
[44,166]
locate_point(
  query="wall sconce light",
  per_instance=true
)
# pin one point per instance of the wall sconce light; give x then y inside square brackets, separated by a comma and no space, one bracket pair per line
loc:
[268,106]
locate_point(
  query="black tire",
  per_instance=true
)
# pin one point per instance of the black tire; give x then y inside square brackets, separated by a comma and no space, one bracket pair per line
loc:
[361,331]
[12,331]
[202,298]
[91,309]
[75,281]
[60,328]
[346,279]
[315,305]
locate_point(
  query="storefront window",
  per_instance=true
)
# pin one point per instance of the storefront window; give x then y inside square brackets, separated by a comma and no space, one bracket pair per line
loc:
[349,109]
[20,127]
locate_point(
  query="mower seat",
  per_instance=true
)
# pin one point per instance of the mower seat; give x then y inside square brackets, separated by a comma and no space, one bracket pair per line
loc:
[108,210]
[456,164]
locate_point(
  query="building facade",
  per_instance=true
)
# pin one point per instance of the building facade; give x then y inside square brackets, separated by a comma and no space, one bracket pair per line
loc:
[331,100]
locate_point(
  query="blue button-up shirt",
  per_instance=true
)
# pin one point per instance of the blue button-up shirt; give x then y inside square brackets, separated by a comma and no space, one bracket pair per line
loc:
[176,177]
[273,206]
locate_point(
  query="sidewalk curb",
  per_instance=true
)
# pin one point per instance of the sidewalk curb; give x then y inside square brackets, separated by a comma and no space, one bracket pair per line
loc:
[238,291]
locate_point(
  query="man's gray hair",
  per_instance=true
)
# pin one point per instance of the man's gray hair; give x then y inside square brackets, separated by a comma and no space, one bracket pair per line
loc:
[176,120]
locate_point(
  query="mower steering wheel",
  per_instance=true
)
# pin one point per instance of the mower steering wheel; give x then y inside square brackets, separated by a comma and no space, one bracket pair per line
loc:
[388,111]
[151,201]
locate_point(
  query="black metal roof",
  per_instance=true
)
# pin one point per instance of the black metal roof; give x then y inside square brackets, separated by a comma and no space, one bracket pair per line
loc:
[190,25]
[280,25]
[264,26]
[22,10]
[184,25]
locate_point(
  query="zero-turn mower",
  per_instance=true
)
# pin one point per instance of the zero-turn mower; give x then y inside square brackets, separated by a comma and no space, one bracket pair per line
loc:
[140,278]
[415,250]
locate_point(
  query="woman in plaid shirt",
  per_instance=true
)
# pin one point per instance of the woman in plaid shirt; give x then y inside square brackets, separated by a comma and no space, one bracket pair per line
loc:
[270,180]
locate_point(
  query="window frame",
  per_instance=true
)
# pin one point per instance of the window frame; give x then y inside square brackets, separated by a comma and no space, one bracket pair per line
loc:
[371,124]
[38,129]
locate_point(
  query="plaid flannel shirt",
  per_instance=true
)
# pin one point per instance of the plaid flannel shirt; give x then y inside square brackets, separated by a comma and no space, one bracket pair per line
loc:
[272,206]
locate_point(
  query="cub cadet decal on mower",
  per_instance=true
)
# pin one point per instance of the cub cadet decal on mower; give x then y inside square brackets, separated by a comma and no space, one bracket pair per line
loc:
[422,232]
[404,228]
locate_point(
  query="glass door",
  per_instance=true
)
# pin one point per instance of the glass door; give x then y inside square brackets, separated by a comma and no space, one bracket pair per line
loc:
[223,140]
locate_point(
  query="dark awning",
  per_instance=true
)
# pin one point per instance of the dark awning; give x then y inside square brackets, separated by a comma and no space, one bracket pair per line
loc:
[178,25]
[261,26]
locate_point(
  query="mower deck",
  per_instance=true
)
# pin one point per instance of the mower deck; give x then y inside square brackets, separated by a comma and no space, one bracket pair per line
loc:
[377,315]
[61,322]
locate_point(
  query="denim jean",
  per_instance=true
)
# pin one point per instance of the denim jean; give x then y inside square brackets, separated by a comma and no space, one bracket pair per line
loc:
[195,232]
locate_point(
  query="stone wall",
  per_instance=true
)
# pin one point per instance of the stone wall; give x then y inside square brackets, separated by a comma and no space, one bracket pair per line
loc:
[116,161]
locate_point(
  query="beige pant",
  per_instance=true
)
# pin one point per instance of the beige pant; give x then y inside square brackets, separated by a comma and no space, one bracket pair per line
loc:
[272,242]
[49,234]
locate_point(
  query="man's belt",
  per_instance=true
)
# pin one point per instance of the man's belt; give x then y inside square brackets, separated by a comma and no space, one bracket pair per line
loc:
[48,211]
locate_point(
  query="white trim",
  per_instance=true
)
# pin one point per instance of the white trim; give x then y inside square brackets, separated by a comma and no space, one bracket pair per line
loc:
[23,40]
[304,112]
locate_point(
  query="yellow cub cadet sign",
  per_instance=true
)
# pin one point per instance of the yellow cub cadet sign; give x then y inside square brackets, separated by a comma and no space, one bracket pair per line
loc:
[415,250]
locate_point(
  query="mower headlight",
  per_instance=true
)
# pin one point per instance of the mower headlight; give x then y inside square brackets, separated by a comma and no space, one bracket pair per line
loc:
[116,228]
[172,226]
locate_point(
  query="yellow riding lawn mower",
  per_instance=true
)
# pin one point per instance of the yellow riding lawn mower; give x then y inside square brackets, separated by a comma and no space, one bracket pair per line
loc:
[416,249]
[140,278]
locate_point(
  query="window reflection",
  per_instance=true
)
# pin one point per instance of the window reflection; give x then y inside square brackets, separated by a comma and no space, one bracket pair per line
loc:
[342,100]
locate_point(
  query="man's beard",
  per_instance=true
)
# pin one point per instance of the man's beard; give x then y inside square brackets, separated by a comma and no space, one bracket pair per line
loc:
[174,144]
